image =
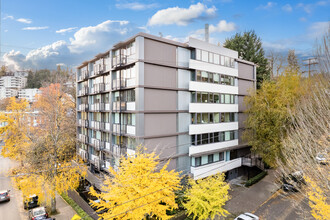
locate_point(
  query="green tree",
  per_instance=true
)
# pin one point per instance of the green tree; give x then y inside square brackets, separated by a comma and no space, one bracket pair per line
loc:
[206,197]
[249,47]
[269,114]
[38,78]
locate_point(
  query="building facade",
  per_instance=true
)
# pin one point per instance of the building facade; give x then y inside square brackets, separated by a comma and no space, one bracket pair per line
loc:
[28,94]
[180,100]
[13,82]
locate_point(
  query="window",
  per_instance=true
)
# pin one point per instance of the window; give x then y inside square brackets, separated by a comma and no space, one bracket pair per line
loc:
[216,117]
[199,118]
[216,58]
[227,99]
[211,138]
[198,161]
[205,76]
[210,158]
[211,117]
[210,77]
[205,56]
[211,57]
[199,76]
[216,78]
[199,142]
[193,75]
[193,119]
[193,97]
[205,139]
[221,156]
[199,97]
[232,63]
[198,54]
[193,140]
[227,61]
[227,135]
[216,137]
[222,59]
[204,97]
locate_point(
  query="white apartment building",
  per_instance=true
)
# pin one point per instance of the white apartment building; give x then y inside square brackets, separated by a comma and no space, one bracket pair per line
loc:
[28,94]
[183,101]
[13,82]
[7,92]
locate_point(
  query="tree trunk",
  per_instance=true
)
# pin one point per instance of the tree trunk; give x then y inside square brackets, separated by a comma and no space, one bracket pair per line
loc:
[53,204]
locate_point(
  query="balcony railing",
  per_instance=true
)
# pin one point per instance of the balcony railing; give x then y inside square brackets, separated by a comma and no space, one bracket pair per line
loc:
[118,83]
[118,61]
[83,107]
[119,106]
[98,107]
[83,138]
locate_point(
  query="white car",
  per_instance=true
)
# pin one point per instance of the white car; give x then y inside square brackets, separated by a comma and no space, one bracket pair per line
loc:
[247,216]
[322,158]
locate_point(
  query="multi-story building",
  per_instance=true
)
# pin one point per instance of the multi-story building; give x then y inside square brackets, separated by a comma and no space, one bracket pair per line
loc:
[183,101]
[28,94]
[13,82]
[7,92]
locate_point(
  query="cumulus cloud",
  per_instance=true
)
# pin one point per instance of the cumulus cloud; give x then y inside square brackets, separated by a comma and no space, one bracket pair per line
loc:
[62,31]
[136,6]
[35,28]
[181,16]
[86,43]
[287,8]
[222,26]
[268,6]
[24,20]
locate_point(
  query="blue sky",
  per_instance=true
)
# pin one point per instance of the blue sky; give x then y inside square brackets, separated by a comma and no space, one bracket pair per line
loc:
[40,34]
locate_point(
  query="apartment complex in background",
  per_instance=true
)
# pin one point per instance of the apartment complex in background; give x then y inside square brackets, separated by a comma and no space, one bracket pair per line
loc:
[28,94]
[183,101]
[13,82]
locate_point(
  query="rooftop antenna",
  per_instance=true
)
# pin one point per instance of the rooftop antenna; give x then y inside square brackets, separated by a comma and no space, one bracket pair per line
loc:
[207,33]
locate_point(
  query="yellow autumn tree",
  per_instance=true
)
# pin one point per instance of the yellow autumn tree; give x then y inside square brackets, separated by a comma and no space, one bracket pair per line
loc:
[14,129]
[206,197]
[140,188]
[49,166]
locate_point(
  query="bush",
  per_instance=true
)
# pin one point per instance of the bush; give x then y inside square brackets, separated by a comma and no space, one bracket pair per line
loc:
[256,179]
[75,206]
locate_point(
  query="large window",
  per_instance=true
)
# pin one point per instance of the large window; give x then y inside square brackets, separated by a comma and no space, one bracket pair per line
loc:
[208,138]
[213,117]
[207,97]
[214,58]
[203,76]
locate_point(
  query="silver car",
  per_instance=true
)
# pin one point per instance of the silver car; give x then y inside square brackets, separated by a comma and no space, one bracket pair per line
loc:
[4,195]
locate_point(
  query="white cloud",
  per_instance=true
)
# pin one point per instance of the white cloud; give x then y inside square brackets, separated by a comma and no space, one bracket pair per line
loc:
[303,19]
[268,6]
[9,17]
[86,43]
[136,6]
[24,20]
[35,28]
[62,31]
[287,8]
[222,26]
[318,29]
[101,36]
[181,16]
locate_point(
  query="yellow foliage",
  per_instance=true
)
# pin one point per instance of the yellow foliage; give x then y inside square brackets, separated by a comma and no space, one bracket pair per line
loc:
[206,197]
[14,133]
[317,201]
[138,189]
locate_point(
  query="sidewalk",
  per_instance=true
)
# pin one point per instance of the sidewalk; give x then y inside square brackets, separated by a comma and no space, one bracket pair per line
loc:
[245,199]
[66,212]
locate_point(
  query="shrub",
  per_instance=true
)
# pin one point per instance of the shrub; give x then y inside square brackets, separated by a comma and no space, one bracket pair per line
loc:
[256,179]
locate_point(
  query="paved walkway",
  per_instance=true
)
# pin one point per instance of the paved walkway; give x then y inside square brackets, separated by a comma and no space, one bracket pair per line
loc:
[66,212]
[245,199]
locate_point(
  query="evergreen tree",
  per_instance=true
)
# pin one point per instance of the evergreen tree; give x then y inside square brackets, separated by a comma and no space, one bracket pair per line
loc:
[249,47]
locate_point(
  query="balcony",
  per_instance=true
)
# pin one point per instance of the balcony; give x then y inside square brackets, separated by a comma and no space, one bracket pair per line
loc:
[119,128]
[118,84]
[118,151]
[95,125]
[83,76]
[83,123]
[97,107]
[105,126]
[119,106]
[83,107]
[118,61]
[83,91]
[83,138]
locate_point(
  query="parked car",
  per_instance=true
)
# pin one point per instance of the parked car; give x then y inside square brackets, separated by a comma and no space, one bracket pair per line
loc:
[38,214]
[95,208]
[247,216]
[31,202]
[322,158]
[293,181]
[4,195]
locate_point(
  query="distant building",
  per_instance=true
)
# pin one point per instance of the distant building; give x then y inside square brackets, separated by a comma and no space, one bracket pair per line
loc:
[13,82]
[28,94]
[7,92]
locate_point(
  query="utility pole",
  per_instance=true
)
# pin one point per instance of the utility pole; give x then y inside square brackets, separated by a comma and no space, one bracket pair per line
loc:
[311,61]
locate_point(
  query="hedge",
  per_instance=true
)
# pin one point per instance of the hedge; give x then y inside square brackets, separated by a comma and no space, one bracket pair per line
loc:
[256,179]
[76,207]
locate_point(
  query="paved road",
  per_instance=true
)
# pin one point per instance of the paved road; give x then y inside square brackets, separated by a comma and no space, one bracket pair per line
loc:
[9,210]
[285,206]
